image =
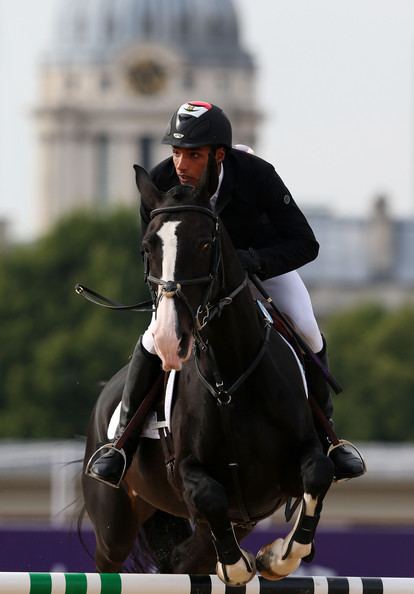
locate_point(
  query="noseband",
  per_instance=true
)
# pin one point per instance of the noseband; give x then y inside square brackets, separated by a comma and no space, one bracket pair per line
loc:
[173,288]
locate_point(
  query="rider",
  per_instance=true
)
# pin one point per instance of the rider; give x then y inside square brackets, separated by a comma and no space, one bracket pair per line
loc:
[272,238]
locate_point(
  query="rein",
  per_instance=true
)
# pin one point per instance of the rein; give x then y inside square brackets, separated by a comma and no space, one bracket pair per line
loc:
[98,299]
[224,395]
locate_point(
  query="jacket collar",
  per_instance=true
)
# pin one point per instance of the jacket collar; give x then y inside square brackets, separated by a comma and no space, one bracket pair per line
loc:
[226,188]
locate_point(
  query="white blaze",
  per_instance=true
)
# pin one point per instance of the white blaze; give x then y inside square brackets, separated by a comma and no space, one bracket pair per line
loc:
[168,235]
[164,327]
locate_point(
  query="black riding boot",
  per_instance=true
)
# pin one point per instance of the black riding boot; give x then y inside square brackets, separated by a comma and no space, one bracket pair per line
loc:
[143,370]
[347,463]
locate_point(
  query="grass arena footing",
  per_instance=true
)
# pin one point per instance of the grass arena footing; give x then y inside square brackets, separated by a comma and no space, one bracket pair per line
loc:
[127,583]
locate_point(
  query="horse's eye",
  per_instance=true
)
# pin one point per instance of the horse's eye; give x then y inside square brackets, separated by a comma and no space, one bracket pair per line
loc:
[205,246]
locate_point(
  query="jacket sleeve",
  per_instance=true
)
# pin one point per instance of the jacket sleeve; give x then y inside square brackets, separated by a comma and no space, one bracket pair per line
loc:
[285,240]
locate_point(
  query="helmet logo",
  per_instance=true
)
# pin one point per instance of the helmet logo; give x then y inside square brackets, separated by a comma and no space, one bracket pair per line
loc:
[194,109]
[178,135]
[200,104]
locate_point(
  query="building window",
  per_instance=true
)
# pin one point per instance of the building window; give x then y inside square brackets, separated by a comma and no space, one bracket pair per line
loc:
[80,29]
[185,27]
[223,81]
[110,27]
[71,82]
[214,27]
[102,143]
[148,22]
[188,79]
[105,82]
[145,152]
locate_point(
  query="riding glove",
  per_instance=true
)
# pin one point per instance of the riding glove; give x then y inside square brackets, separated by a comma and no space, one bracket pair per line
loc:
[249,260]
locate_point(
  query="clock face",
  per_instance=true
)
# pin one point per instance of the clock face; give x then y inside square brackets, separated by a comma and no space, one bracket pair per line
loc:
[146,77]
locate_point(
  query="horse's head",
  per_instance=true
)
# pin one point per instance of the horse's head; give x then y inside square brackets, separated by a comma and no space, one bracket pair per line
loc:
[181,251]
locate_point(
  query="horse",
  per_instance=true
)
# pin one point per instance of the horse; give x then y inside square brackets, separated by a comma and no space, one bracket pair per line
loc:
[244,441]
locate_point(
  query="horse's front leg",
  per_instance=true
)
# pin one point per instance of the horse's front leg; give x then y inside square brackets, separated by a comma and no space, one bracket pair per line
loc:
[206,499]
[284,555]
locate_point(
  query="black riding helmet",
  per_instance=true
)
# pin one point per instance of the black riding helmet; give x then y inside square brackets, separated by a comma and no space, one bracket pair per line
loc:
[198,123]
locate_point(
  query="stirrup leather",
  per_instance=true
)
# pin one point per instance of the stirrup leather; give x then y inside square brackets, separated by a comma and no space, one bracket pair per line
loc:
[107,446]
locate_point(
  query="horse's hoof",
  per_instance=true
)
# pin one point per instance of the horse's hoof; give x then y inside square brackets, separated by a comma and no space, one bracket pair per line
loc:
[271,564]
[265,560]
[239,573]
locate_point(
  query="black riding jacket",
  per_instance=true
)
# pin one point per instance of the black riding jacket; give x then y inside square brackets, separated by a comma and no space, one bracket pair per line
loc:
[257,210]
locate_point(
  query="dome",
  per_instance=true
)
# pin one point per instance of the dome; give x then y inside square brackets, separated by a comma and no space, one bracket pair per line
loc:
[97,30]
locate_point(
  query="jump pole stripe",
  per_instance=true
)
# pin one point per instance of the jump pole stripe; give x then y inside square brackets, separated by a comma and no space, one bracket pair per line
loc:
[115,583]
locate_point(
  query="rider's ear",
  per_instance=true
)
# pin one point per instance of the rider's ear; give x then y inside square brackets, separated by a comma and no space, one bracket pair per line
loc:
[209,179]
[150,194]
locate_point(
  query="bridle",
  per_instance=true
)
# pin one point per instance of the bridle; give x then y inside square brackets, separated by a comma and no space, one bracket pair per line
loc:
[206,310]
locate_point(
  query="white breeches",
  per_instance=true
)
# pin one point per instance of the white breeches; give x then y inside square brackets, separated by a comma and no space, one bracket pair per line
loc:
[292,298]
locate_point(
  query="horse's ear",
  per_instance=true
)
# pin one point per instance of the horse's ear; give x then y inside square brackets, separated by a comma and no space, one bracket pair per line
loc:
[150,194]
[209,180]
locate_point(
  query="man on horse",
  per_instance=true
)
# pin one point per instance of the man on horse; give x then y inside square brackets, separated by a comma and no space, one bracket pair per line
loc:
[273,239]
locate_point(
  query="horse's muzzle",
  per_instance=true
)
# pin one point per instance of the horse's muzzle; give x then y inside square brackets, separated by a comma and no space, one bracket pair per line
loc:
[173,352]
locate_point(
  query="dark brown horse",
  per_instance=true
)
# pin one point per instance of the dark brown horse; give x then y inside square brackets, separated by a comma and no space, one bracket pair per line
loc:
[243,434]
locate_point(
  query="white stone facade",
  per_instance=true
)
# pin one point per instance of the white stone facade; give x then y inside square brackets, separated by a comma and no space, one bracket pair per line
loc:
[104,105]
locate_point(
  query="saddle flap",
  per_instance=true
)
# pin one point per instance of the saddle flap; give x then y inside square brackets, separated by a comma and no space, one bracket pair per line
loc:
[152,425]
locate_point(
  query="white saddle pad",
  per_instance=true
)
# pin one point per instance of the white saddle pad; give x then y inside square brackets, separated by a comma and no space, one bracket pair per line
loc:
[151,426]
[302,371]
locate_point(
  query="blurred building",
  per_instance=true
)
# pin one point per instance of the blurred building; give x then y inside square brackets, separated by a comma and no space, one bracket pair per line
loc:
[361,260]
[115,71]
[112,77]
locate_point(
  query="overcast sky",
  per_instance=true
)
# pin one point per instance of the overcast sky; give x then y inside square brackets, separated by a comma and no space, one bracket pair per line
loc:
[335,84]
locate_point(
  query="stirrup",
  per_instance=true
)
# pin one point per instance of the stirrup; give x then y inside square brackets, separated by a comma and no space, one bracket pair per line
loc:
[340,443]
[107,446]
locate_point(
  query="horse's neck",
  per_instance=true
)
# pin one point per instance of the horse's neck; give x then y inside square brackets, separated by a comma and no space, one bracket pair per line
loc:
[237,333]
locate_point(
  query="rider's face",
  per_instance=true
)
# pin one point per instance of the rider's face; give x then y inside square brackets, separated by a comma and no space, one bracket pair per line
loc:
[190,163]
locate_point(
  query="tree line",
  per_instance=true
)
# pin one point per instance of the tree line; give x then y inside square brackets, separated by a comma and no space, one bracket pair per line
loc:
[57,350]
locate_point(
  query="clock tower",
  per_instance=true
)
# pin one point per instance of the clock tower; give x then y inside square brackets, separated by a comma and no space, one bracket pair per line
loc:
[114,74]
[146,77]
